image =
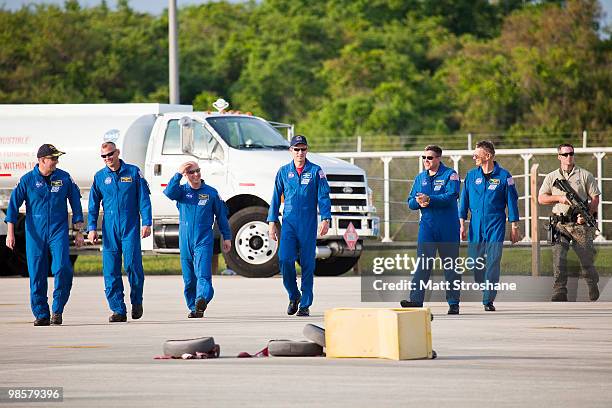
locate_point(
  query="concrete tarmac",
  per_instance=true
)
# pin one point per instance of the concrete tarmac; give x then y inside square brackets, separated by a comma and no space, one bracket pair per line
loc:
[525,354]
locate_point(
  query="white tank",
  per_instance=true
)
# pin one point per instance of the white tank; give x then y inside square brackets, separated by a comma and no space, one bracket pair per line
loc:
[78,130]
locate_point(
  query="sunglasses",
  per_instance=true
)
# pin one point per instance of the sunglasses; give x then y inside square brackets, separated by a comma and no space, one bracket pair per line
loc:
[52,158]
[194,171]
[430,158]
[300,149]
[566,154]
[107,155]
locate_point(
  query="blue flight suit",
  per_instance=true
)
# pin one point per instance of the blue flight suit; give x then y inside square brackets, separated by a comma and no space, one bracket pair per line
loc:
[125,198]
[302,193]
[487,200]
[438,229]
[47,234]
[197,212]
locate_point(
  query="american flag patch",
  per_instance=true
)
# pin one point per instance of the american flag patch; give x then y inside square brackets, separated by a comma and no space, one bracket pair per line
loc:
[322,174]
[510,181]
[454,176]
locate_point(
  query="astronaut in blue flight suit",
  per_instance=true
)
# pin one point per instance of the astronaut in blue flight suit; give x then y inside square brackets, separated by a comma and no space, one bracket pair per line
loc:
[435,192]
[487,191]
[199,204]
[124,194]
[45,190]
[304,186]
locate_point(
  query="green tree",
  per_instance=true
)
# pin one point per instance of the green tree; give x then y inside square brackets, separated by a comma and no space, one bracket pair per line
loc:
[547,73]
[51,54]
[382,82]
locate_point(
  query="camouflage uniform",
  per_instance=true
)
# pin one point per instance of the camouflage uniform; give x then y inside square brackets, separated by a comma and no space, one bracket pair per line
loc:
[581,235]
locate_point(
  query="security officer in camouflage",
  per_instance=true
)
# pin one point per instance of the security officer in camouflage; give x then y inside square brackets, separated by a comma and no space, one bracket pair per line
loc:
[571,228]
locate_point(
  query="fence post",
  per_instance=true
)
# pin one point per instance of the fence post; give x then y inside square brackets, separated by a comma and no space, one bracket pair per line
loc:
[527,190]
[352,159]
[535,230]
[584,139]
[469,146]
[386,187]
[455,158]
[599,156]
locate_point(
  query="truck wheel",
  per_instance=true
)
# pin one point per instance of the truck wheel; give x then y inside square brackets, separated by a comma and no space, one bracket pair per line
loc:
[17,264]
[16,259]
[253,253]
[334,266]
[11,263]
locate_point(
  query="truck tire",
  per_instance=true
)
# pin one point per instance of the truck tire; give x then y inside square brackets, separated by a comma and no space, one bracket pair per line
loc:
[253,253]
[289,348]
[177,348]
[15,259]
[315,334]
[16,263]
[334,266]
[10,262]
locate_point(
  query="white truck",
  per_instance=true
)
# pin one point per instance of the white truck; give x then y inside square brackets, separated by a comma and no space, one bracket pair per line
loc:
[239,155]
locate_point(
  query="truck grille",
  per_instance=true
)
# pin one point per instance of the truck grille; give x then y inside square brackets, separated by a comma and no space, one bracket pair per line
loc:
[348,193]
[345,177]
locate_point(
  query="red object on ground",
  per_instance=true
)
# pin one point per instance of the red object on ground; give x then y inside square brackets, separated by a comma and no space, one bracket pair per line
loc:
[261,353]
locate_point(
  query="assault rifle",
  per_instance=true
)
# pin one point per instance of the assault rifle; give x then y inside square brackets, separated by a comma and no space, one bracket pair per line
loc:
[578,205]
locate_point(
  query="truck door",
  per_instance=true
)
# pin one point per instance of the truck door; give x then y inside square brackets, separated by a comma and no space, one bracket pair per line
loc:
[209,156]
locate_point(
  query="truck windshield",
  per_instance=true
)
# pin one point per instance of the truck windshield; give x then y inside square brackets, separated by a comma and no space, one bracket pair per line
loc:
[247,133]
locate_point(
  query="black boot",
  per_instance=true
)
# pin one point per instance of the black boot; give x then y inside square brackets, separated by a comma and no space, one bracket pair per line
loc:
[201,305]
[593,292]
[136,312]
[43,321]
[117,317]
[559,297]
[293,306]
[407,303]
[303,311]
[56,319]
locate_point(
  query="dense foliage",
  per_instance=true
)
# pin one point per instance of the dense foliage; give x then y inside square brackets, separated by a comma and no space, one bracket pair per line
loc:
[336,68]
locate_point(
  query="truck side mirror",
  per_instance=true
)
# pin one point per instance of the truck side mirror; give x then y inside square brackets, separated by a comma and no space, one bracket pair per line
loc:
[186,135]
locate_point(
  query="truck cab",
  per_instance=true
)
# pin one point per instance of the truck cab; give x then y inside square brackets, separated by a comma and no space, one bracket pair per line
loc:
[239,155]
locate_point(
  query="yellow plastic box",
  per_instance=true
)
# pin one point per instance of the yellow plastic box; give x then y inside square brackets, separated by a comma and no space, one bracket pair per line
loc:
[396,334]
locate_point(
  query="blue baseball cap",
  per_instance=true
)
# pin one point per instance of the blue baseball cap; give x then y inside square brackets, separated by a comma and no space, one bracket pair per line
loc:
[298,139]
